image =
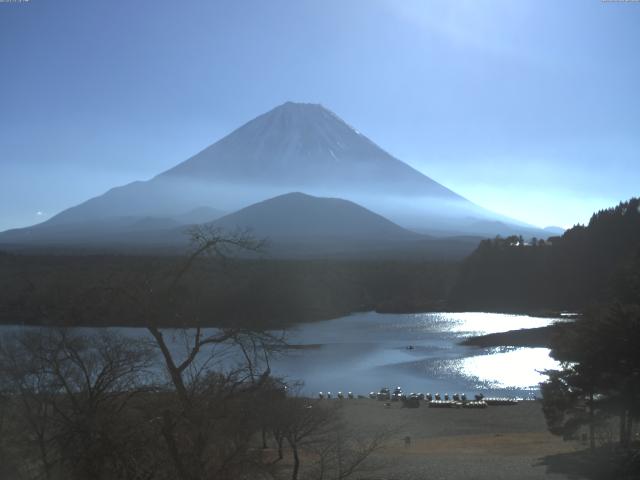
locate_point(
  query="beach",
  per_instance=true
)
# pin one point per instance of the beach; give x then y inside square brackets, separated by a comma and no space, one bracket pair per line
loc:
[501,442]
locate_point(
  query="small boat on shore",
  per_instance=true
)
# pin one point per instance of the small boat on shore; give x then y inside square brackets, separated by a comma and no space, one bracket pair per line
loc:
[474,404]
[411,402]
[444,404]
[500,401]
[397,394]
[384,394]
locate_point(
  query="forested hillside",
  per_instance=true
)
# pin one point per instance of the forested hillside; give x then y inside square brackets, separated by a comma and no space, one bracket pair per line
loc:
[570,272]
[108,289]
[583,267]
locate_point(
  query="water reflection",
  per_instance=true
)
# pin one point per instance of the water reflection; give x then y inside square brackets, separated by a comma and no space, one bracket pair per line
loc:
[365,351]
[518,367]
[362,352]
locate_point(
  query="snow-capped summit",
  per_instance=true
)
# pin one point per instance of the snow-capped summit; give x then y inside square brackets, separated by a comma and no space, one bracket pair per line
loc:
[300,145]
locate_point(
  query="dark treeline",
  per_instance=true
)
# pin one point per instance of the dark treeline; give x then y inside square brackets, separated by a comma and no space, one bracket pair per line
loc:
[504,274]
[68,290]
[571,272]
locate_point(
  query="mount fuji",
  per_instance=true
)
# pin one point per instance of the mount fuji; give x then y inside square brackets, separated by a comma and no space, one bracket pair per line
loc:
[296,147]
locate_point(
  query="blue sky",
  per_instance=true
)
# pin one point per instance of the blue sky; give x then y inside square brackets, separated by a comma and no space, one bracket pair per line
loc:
[531,109]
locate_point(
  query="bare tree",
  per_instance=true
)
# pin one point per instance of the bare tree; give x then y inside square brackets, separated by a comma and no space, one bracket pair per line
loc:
[80,397]
[71,393]
[27,383]
[344,452]
[303,425]
[206,419]
[317,431]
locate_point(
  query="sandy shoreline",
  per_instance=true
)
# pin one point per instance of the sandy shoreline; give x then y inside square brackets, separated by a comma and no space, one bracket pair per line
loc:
[507,442]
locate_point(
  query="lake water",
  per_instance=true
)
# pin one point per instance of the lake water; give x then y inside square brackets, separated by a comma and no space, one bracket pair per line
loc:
[364,351]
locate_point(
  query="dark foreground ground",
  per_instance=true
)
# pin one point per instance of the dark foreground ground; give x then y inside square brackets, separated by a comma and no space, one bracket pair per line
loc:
[509,442]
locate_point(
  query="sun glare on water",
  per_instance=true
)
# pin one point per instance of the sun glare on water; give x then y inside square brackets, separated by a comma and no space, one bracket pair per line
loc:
[511,368]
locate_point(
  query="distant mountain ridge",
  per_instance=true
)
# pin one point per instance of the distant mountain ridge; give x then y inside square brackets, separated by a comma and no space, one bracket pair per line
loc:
[299,225]
[295,225]
[297,215]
